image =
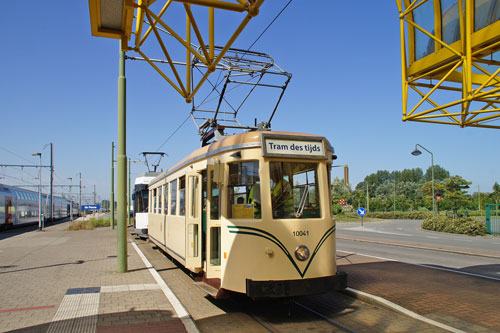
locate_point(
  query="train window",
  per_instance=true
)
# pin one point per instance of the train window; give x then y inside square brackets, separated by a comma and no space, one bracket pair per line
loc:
[182,196]
[193,183]
[165,200]
[214,198]
[159,200]
[215,248]
[173,197]
[244,191]
[155,203]
[294,190]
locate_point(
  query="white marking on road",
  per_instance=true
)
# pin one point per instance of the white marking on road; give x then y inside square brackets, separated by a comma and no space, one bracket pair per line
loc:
[176,304]
[377,231]
[432,237]
[424,265]
[404,311]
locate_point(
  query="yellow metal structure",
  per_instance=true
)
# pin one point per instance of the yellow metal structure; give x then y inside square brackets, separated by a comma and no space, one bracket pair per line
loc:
[451,61]
[115,19]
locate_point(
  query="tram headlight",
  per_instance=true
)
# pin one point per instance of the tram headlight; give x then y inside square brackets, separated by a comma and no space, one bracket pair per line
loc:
[302,252]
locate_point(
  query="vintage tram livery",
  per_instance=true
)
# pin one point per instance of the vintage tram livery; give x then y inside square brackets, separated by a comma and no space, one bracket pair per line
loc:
[251,214]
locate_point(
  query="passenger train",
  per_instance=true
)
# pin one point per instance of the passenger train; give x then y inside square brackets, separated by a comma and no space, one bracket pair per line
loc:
[20,207]
[251,214]
[140,198]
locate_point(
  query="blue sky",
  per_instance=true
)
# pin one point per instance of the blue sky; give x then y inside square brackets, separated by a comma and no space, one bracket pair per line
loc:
[59,84]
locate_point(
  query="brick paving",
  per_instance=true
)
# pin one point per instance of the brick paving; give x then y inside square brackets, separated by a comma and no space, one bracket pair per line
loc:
[461,301]
[38,268]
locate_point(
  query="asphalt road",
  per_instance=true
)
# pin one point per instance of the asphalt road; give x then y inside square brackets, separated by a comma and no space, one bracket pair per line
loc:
[408,231]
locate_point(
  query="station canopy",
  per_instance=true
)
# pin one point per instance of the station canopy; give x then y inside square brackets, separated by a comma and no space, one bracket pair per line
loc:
[450,61]
[172,35]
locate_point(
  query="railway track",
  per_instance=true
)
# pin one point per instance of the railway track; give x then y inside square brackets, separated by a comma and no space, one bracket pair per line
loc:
[330,312]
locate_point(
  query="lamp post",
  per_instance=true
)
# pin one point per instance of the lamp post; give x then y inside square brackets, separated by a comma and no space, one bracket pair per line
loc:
[70,200]
[417,152]
[40,226]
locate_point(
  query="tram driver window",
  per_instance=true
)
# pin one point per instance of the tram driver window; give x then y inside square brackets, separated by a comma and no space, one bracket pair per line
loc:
[244,191]
[182,196]
[173,197]
[294,190]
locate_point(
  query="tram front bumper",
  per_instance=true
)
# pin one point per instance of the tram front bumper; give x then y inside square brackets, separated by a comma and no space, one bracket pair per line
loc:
[294,288]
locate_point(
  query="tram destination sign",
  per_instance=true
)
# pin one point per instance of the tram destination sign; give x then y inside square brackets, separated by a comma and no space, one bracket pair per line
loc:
[293,146]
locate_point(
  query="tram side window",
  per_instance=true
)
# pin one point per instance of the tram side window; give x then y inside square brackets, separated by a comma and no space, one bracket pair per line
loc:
[173,197]
[165,200]
[215,248]
[182,196]
[159,200]
[244,191]
[155,203]
[214,198]
[144,198]
[294,190]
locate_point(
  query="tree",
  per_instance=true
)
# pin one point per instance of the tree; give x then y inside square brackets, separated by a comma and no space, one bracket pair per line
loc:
[439,173]
[455,192]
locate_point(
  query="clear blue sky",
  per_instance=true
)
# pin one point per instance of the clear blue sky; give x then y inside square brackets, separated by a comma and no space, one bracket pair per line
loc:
[59,84]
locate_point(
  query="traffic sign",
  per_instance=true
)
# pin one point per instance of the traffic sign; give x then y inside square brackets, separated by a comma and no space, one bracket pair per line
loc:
[91,207]
[361,211]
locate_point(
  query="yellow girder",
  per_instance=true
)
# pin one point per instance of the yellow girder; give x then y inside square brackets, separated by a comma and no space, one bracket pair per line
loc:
[462,82]
[115,19]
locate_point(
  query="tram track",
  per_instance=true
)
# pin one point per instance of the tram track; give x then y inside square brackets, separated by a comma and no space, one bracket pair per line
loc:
[330,312]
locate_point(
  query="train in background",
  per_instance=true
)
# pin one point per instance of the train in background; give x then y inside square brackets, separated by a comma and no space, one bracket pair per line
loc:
[251,214]
[20,207]
[140,197]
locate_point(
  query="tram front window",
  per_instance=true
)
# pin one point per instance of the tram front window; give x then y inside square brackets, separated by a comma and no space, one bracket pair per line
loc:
[294,190]
[244,190]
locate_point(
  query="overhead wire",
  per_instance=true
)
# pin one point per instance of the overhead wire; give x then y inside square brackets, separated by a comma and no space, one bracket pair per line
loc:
[214,86]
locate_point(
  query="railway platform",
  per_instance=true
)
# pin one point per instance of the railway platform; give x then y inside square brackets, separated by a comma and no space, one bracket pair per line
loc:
[66,281]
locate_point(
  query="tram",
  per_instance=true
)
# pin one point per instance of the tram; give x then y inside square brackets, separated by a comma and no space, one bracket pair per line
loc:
[251,214]
[141,202]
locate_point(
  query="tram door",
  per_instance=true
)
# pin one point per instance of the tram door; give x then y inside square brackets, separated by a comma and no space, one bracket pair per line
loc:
[8,210]
[194,220]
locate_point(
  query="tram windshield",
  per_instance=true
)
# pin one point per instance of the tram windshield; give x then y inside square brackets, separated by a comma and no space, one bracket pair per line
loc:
[294,190]
[244,190]
[141,201]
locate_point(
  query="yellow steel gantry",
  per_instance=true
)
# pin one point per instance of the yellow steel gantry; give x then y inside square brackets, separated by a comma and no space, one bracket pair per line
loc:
[115,19]
[464,69]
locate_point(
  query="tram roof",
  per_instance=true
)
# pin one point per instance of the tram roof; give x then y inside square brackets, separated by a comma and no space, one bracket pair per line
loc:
[233,142]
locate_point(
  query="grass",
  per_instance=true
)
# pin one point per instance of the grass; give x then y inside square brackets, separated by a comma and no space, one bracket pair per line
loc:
[89,224]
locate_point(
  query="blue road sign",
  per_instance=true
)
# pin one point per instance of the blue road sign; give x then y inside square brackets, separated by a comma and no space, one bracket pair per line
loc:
[91,207]
[361,211]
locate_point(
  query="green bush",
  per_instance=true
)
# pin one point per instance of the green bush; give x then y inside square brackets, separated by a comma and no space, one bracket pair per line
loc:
[89,224]
[413,215]
[462,225]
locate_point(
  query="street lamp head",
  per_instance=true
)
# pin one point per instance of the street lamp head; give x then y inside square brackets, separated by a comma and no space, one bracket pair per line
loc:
[36,154]
[416,152]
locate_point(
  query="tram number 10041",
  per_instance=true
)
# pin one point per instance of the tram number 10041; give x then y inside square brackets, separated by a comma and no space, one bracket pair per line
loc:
[301,233]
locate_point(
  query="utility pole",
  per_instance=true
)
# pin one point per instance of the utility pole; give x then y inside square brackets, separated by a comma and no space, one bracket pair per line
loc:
[40,225]
[51,181]
[479,199]
[112,201]
[122,166]
[128,194]
[80,206]
[367,198]
[94,195]
[394,195]
[70,200]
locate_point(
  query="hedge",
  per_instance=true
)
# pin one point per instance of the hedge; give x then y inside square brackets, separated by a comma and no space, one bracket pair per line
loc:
[413,215]
[461,225]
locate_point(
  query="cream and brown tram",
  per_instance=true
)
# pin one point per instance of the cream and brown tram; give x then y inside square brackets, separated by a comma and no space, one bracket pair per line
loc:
[251,214]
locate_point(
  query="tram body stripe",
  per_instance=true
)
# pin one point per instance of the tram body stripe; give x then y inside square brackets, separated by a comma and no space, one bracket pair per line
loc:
[255,232]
